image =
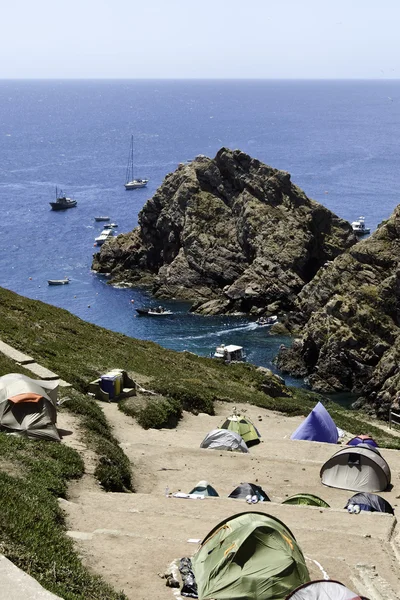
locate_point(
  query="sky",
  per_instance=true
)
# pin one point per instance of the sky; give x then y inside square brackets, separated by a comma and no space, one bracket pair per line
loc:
[182,39]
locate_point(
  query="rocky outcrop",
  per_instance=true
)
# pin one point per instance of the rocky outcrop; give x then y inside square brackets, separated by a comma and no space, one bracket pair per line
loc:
[229,234]
[348,316]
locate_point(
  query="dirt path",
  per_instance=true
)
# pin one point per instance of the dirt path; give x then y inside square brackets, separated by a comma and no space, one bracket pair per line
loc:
[131,538]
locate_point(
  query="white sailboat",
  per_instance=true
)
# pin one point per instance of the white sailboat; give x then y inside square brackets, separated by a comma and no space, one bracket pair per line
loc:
[132,183]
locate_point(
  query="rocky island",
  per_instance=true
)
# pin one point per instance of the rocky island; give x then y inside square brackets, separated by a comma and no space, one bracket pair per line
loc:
[230,234]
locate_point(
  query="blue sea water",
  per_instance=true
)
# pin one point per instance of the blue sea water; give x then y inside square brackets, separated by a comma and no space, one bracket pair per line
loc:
[338,139]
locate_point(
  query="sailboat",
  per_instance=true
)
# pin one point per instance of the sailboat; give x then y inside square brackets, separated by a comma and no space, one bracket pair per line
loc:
[131,183]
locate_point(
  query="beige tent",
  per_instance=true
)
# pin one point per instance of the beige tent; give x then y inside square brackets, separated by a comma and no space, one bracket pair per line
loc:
[360,468]
[26,408]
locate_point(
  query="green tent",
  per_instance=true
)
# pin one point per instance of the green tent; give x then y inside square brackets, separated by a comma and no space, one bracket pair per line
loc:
[249,556]
[308,499]
[244,427]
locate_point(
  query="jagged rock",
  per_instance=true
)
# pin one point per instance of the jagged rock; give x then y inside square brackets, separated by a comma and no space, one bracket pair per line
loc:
[230,234]
[349,315]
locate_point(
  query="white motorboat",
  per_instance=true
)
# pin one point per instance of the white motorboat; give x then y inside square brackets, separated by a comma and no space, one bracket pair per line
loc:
[157,311]
[267,321]
[230,353]
[132,183]
[58,281]
[359,227]
[104,236]
[110,226]
[102,218]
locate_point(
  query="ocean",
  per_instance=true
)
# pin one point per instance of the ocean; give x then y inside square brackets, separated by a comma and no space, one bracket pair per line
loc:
[338,139]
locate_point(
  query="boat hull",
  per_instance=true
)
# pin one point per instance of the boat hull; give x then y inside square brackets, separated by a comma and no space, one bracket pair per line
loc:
[147,312]
[136,184]
[61,206]
[57,281]
[102,218]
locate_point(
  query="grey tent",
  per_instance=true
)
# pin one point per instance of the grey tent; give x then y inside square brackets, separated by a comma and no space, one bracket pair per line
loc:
[249,489]
[223,439]
[323,590]
[359,468]
[203,488]
[49,386]
[26,409]
[370,502]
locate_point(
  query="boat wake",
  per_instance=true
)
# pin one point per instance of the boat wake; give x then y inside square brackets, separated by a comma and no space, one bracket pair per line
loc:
[244,327]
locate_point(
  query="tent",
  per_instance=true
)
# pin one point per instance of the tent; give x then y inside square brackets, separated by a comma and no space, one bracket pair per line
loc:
[244,427]
[362,439]
[308,499]
[370,502]
[323,590]
[203,488]
[360,468]
[223,439]
[26,409]
[317,427]
[249,489]
[249,556]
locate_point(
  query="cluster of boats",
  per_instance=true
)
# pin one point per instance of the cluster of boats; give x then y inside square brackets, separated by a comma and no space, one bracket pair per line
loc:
[107,233]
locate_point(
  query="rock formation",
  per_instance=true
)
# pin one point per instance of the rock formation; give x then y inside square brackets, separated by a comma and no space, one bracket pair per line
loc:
[230,234]
[349,314]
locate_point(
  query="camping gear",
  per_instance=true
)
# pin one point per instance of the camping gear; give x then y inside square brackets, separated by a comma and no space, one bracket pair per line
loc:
[317,427]
[189,587]
[362,439]
[249,489]
[308,499]
[323,590]
[360,468]
[250,556]
[223,439]
[114,385]
[244,427]
[203,488]
[26,409]
[370,502]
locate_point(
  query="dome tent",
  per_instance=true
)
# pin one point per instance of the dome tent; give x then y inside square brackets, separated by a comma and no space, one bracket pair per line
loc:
[370,502]
[360,468]
[362,439]
[251,556]
[323,590]
[244,427]
[223,439]
[26,409]
[308,499]
[203,488]
[249,489]
[317,427]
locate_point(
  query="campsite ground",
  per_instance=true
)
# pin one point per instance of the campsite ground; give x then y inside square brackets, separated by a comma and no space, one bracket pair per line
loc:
[132,538]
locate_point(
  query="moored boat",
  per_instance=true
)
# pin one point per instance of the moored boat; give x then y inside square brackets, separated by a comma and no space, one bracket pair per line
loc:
[102,218]
[62,202]
[106,234]
[58,281]
[359,227]
[131,182]
[230,353]
[156,311]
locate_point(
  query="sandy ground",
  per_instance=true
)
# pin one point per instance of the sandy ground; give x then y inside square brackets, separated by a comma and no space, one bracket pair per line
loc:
[131,539]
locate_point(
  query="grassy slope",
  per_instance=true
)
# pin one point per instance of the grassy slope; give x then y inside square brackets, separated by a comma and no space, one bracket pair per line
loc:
[79,352]
[33,474]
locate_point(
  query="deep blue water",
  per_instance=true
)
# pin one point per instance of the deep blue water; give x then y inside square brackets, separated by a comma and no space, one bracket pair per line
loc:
[338,139]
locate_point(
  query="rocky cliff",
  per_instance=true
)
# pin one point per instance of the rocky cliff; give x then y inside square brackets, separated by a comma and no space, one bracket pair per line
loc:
[229,234]
[349,321]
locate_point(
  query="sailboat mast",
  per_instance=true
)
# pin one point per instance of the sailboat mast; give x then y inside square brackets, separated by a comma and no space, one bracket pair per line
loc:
[131,157]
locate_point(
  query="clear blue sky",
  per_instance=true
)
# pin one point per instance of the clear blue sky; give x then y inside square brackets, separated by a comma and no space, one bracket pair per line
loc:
[200,39]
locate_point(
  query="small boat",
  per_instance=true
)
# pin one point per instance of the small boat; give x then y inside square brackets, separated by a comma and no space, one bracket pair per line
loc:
[157,311]
[359,227]
[230,353]
[110,226]
[62,202]
[58,281]
[264,321]
[132,183]
[102,218]
[104,236]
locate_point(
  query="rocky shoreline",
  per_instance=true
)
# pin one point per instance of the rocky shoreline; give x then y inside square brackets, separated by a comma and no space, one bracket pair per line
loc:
[233,235]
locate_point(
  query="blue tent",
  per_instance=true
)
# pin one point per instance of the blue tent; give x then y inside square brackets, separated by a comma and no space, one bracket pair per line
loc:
[318,427]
